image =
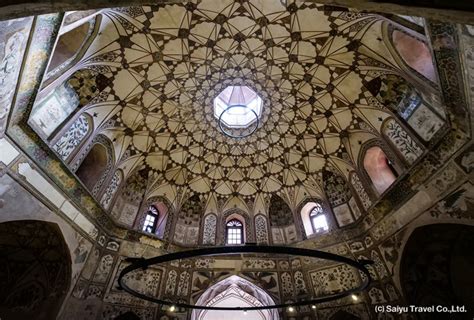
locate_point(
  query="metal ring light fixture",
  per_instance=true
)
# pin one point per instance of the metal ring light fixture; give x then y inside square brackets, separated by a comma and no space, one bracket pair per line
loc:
[238,136]
[142,263]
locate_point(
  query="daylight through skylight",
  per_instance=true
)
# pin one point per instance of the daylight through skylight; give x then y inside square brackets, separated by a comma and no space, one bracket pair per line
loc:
[238,106]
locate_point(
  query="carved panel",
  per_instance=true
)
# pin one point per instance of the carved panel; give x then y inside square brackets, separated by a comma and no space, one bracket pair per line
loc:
[287,284]
[187,226]
[359,188]
[300,285]
[343,215]
[335,279]
[425,122]
[171,283]
[104,268]
[261,229]
[183,285]
[336,187]
[73,137]
[14,38]
[111,189]
[405,144]
[209,232]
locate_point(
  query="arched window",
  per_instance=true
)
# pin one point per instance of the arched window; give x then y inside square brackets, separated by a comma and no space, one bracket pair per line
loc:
[234,232]
[151,220]
[315,219]
[318,219]
[379,168]
[415,53]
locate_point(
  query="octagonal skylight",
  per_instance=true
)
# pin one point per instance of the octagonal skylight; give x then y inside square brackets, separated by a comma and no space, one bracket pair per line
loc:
[238,106]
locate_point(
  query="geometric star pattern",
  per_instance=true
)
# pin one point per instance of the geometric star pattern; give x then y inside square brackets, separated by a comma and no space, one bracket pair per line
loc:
[165,65]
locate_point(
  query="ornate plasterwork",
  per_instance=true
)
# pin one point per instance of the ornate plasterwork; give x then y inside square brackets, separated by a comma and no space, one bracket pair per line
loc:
[235,286]
[73,137]
[111,190]
[209,232]
[261,229]
[61,177]
[165,65]
[14,38]
[95,289]
[401,140]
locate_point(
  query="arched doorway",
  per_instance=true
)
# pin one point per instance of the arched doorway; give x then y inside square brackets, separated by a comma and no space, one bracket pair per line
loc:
[436,268]
[235,291]
[35,270]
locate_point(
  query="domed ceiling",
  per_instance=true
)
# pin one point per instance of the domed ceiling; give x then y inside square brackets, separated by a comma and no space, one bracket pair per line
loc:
[165,65]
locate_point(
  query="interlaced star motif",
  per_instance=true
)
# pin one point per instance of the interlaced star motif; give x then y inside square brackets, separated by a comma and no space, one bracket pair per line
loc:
[166,65]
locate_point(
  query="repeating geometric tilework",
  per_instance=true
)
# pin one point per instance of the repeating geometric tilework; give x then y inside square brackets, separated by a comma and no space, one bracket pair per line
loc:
[162,67]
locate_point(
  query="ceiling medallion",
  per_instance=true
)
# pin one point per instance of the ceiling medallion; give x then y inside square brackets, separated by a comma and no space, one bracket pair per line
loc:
[238,110]
[143,264]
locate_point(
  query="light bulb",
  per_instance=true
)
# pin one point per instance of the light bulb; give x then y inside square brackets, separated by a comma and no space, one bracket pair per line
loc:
[354,297]
[245,312]
[313,307]
[172,308]
[291,309]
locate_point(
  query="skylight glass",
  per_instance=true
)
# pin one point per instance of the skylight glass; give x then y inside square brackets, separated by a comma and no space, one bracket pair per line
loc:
[238,106]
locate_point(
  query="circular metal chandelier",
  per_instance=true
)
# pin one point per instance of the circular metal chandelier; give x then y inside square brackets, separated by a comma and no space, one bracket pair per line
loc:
[143,264]
[238,132]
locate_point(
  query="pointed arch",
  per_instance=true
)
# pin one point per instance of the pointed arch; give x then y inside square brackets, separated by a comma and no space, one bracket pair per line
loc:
[73,42]
[304,210]
[69,45]
[443,250]
[129,198]
[379,167]
[57,106]
[163,210]
[318,219]
[340,197]
[282,221]
[243,217]
[235,291]
[421,111]
[411,51]
[188,222]
[36,264]
[94,164]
